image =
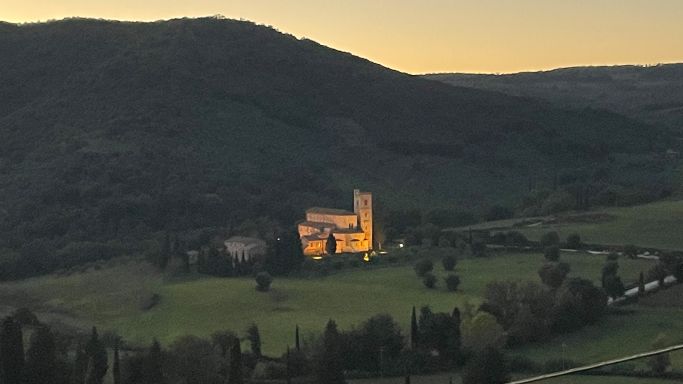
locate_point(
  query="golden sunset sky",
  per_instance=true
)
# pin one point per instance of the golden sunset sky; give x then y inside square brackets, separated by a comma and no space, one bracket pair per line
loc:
[423,36]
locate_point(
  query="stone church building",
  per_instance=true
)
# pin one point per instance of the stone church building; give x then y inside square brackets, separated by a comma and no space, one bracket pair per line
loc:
[351,230]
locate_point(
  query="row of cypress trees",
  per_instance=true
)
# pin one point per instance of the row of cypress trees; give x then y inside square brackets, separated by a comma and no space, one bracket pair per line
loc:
[41,364]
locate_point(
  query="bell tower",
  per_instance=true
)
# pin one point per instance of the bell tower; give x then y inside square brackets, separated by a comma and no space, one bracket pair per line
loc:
[362,206]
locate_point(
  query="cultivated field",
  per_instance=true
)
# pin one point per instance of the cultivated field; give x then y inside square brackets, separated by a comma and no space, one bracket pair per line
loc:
[656,225]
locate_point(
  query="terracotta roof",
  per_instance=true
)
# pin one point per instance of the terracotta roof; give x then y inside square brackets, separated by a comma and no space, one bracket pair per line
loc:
[347,230]
[316,224]
[330,211]
[311,238]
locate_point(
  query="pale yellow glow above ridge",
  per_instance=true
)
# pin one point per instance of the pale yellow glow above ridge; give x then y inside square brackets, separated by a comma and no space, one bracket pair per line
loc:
[420,36]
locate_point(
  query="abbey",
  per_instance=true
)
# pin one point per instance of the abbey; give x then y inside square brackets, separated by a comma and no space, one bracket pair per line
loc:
[351,230]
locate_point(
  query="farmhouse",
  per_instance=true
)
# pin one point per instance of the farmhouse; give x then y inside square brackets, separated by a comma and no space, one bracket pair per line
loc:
[351,230]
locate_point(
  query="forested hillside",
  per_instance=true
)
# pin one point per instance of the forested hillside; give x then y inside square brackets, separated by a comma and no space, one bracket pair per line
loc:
[649,93]
[112,132]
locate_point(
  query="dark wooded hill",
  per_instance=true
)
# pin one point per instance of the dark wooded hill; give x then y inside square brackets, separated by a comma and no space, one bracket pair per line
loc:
[649,93]
[111,132]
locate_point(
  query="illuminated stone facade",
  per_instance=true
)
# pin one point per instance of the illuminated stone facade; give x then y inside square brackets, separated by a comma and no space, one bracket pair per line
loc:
[351,230]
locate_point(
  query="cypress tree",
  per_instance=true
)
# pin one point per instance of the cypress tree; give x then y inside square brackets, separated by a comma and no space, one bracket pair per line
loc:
[329,369]
[116,369]
[235,376]
[255,340]
[641,284]
[80,366]
[153,365]
[41,358]
[297,345]
[97,359]
[288,371]
[456,342]
[413,330]
[331,245]
[11,352]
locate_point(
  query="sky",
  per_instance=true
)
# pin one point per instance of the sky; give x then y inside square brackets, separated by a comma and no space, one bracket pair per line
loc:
[428,36]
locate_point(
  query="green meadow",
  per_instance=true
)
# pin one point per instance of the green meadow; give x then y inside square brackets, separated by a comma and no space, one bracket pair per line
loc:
[657,225]
[114,297]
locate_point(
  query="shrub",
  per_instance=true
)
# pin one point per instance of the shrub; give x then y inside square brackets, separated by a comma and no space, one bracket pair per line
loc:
[553,274]
[25,317]
[429,280]
[574,241]
[423,266]
[452,282]
[631,251]
[552,253]
[487,366]
[449,261]
[516,238]
[549,239]
[263,281]
[612,256]
[478,249]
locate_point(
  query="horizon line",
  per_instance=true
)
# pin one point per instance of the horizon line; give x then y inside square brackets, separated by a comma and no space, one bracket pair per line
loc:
[419,73]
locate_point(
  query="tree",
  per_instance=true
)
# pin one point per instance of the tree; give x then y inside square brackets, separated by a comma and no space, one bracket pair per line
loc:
[478,249]
[423,266]
[376,344]
[331,245]
[552,253]
[429,280]
[577,303]
[659,363]
[254,340]
[413,330]
[550,239]
[297,343]
[11,352]
[329,369]
[41,358]
[553,274]
[641,284]
[235,376]
[263,281]
[481,332]
[487,367]
[223,340]
[192,360]
[285,254]
[449,261]
[80,366]
[97,359]
[153,365]
[613,286]
[631,251]
[574,241]
[609,269]
[116,369]
[452,282]
[658,272]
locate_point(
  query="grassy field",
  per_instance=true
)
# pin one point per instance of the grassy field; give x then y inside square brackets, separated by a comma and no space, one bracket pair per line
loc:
[656,225]
[113,298]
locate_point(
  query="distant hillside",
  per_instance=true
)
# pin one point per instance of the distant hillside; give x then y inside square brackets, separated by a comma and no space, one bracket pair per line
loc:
[653,94]
[112,131]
